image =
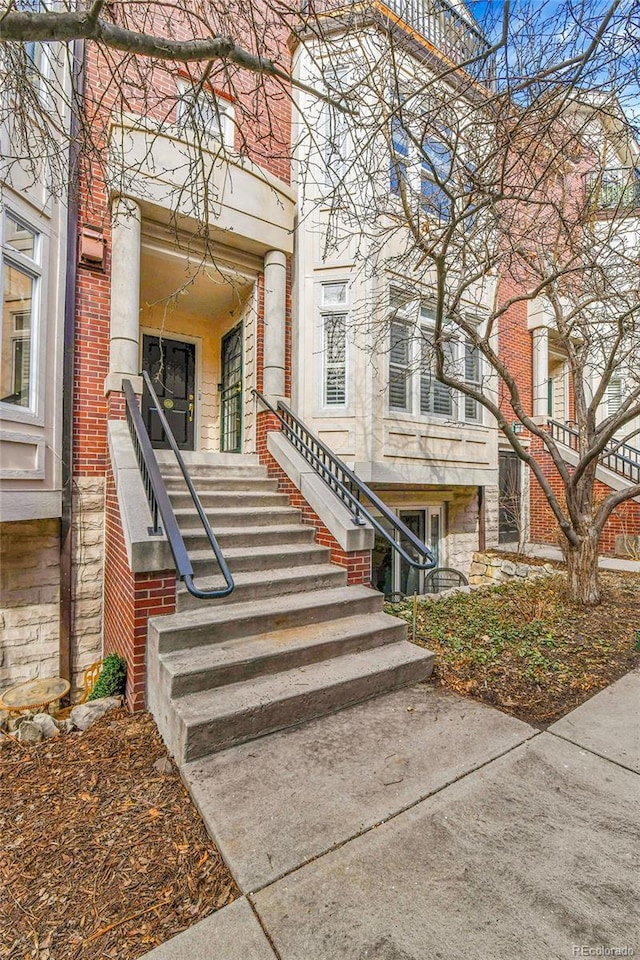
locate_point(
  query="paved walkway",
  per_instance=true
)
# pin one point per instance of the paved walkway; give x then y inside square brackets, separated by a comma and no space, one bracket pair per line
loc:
[545,551]
[422,825]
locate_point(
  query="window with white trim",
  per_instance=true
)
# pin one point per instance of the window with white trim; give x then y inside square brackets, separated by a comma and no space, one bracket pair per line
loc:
[400,366]
[199,109]
[436,398]
[20,275]
[336,131]
[334,314]
[614,395]
[473,377]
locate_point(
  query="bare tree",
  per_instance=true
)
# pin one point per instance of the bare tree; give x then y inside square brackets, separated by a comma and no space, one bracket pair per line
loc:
[473,176]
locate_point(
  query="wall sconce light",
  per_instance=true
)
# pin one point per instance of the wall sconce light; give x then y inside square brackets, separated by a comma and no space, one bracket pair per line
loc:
[91,247]
[517,427]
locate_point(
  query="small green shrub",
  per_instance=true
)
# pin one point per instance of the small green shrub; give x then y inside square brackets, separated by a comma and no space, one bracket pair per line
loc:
[112,679]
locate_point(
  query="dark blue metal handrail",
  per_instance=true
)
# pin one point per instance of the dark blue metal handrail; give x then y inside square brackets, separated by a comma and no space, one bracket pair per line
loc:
[159,502]
[344,483]
[623,459]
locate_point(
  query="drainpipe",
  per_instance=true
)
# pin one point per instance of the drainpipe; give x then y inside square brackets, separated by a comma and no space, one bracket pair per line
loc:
[66,521]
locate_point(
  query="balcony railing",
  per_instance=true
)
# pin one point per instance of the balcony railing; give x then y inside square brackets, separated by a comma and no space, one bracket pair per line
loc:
[436,20]
[616,188]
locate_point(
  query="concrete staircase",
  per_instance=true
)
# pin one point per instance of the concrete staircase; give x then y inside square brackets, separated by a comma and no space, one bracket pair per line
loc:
[292,642]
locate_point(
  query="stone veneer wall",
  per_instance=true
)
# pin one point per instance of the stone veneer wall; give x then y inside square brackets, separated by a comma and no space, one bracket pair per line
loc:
[29,600]
[88,573]
[488,568]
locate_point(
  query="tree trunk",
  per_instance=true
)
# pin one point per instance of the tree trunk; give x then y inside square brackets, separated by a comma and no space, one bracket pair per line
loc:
[582,570]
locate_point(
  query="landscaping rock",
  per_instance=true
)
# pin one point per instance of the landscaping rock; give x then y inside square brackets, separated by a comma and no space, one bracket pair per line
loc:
[29,732]
[47,724]
[4,719]
[66,726]
[5,740]
[508,568]
[163,765]
[87,713]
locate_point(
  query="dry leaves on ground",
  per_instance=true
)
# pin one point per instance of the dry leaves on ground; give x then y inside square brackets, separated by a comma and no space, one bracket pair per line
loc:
[101,855]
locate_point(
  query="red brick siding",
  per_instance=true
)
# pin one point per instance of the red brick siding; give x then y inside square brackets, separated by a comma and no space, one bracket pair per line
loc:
[356,563]
[129,600]
[625,520]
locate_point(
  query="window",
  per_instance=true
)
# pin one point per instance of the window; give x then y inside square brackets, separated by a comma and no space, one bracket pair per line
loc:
[472,376]
[334,344]
[435,169]
[201,110]
[399,366]
[435,397]
[399,152]
[336,141]
[413,382]
[614,396]
[20,278]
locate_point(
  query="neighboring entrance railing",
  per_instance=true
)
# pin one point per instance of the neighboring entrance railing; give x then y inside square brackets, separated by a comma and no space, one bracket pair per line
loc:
[622,458]
[349,488]
[159,502]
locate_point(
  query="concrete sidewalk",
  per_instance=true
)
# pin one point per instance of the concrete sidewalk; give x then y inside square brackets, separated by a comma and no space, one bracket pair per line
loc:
[424,825]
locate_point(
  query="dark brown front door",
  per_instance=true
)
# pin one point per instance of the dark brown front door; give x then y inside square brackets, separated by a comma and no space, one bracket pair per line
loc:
[171,364]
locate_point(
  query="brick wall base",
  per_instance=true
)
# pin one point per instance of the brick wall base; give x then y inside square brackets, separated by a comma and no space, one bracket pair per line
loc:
[358,562]
[129,600]
[623,524]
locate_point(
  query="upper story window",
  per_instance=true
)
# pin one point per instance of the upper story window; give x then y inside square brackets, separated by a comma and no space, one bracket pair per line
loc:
[335,131]
[199,109]
[414,386]
[20,276]
[334,314]
[435,170]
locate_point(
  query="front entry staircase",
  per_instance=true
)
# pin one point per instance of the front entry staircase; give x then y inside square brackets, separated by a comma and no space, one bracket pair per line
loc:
[291,642]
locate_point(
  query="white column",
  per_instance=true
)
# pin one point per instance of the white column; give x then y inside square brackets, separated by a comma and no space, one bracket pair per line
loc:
[540,372]
[275,303]
[124,353]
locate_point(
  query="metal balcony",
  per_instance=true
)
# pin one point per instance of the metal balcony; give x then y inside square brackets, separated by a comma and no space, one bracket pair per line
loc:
[616,188]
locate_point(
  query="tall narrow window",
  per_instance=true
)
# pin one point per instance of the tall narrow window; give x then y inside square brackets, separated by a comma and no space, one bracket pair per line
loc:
[336,140]
[334,344]
[399,154]
[435,397]
[20,281]
[472,376]
[614,396]
[399,366]
[435,170]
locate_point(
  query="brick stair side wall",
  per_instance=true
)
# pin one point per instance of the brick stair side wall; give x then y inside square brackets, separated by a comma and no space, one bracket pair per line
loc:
[357,563]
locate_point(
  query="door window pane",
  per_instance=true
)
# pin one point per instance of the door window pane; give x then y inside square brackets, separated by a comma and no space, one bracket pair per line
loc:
[17,311]
[410,577]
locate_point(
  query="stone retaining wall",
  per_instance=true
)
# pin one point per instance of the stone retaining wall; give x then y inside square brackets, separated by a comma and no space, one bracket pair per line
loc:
[488,568]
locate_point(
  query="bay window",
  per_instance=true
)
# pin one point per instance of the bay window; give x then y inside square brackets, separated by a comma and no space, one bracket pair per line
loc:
[20,273]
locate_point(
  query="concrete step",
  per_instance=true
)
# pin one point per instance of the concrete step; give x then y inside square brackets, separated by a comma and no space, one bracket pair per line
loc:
[253,538]
[210,458]
[214,484]
[205,668]
[256,584]
[265,557]
[222,500]
[187,517]
[212,623]
[209,721]
[224,471]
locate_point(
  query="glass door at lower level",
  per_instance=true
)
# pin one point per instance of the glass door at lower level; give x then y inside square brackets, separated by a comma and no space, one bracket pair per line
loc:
[390,573]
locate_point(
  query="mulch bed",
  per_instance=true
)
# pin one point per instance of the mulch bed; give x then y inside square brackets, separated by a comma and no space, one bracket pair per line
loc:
[524,648]
[101,856]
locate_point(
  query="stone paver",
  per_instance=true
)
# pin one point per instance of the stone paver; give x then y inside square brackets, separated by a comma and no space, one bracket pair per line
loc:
[272,804]
[232,933]
[524,859]
[609,723]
